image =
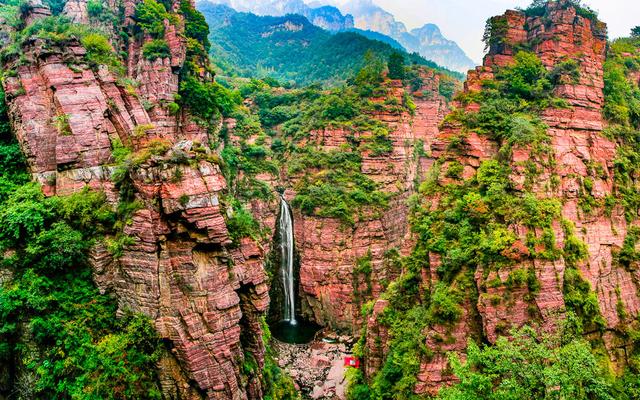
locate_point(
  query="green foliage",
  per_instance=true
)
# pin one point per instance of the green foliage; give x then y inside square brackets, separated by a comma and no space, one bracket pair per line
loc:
[241,224]
[156,48]
[538,8]
[195,25]
[526,366]
[495,31]
[622,96]
[447,87]
[257,46]
[61,122]
[396,66]
[398,375]
[635,32]
[526,79]
[59,30]
[580,299]
[510,104]
[9,12]
[470,226]
[95,8]
[207,99]
[622,109]
[277,385]
[150,16]
[56,6]
[51,302]
[333,192]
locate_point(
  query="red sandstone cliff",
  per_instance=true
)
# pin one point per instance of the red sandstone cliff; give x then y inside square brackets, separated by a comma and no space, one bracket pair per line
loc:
[177,265]
[331,292]
[578,148]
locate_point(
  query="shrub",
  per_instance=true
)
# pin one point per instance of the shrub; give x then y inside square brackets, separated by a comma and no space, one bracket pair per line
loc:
[156,48]
[56,6]
[100,52]
[395,65]
[242,224]
[527,78]
[195,25]
[207,99]
[95,8]
[444,306]
[150,16]
[528,367]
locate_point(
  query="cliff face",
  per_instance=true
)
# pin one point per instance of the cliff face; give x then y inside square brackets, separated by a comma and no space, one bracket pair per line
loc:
[575,168]
[175,261]
[343,265]
[333,292]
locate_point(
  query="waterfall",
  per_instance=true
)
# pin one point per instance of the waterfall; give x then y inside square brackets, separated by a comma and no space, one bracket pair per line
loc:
[286,262]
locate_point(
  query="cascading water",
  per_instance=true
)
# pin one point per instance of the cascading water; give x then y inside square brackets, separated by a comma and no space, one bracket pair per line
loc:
[286,263]
[289,329]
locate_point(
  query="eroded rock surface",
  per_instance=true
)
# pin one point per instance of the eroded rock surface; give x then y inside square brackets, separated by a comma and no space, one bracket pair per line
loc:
[177,264]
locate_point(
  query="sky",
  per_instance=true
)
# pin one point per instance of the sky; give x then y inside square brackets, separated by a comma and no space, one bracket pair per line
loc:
[463,20]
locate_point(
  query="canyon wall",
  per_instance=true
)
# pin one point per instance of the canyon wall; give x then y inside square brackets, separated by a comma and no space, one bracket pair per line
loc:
[578,167]
[175,261]
[331,289]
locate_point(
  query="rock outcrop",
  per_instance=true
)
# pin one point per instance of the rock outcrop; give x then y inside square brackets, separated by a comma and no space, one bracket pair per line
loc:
[580,152]
[174,260]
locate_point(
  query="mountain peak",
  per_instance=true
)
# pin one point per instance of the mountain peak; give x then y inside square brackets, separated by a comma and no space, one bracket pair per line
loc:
[366,16]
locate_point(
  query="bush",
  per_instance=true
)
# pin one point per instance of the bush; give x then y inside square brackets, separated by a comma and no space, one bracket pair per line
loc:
[95,8]
[81,349]
[527,367]
[242,225]
[195,25]
[150,16]
[100,52]
[156,48]
[527,78]
[396,66]
[207,99]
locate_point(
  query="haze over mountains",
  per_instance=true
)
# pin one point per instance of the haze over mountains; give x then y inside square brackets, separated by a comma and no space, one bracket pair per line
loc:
[367,18]
[291,49]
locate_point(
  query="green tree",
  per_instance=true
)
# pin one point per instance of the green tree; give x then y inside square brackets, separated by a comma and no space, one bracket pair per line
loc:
[528,367]
[396,66]
[635,32]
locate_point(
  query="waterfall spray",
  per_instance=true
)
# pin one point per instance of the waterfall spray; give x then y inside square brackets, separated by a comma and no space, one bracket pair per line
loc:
[286,263]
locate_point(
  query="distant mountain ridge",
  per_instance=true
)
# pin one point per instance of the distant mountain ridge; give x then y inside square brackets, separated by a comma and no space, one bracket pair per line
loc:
[427,41]
[325,16]
[367,18]
[290,48]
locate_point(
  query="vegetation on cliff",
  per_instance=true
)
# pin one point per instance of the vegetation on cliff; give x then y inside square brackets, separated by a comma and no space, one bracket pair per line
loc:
[283,129]
[60,337]
[468,225]
[58,333]
[254,46]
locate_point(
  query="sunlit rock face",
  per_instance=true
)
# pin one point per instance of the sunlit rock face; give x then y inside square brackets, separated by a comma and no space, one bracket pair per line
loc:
[577,144]
[178,265]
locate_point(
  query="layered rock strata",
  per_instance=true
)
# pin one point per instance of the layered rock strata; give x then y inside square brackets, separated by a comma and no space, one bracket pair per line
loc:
[580,152]
[176,262]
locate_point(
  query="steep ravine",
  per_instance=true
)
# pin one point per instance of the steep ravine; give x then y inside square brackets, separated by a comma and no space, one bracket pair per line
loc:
[419,223]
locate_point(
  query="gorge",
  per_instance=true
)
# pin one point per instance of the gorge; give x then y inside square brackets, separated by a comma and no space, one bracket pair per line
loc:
[164,231]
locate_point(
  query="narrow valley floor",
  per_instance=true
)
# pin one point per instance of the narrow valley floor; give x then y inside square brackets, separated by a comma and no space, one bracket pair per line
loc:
[317,367]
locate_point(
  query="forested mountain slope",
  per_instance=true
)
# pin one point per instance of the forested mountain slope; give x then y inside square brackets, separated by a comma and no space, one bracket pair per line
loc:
[288,48]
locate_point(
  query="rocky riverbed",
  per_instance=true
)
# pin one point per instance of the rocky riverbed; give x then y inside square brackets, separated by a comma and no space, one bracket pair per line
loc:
[317,367]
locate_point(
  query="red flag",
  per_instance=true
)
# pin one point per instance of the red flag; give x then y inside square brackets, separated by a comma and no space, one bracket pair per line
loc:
[352,362]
